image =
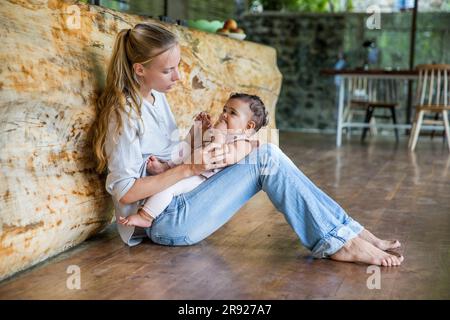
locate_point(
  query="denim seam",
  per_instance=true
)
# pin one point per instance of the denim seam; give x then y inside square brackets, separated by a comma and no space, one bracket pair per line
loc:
[333,234]
[173,240]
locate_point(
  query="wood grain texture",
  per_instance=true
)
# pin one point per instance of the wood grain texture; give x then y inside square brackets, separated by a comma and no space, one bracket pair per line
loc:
[256,255]
[53,68]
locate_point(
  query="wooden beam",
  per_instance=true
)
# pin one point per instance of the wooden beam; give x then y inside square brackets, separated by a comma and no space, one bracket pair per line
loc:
[166,8]
[412,47]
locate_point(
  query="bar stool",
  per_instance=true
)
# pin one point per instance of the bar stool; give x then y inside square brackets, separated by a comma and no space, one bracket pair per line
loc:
[368,95]
[384,97]
[433,96]
[358,93]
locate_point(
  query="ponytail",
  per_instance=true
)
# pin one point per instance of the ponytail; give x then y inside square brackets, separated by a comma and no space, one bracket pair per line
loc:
[122,90]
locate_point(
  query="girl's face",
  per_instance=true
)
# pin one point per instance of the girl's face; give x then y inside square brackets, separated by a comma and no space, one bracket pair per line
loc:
[237,115]
[162,72]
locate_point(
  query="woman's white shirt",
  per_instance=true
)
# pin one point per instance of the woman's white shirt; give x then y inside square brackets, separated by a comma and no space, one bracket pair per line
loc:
[156,133]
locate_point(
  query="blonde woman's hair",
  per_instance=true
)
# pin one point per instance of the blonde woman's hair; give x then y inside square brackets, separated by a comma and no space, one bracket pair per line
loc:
[121,95]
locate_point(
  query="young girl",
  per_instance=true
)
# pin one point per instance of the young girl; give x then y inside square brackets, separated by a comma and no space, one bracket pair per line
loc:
[242,116]
[135,121]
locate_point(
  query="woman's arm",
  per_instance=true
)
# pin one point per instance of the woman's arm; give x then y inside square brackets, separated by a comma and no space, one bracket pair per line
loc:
[201,159]
[147,186]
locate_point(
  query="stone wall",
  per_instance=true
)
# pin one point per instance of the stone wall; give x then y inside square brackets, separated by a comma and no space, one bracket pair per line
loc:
[305,43]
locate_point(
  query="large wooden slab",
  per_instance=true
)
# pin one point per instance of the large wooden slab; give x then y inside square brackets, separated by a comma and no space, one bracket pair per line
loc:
[53,66]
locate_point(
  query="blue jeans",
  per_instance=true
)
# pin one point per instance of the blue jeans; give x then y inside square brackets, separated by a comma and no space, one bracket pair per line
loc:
[320,223]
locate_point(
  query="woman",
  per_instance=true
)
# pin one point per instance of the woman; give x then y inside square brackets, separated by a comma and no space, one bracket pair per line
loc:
[135,126]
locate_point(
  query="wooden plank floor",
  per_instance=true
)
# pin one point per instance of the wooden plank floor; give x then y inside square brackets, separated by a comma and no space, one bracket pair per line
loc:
[257,256]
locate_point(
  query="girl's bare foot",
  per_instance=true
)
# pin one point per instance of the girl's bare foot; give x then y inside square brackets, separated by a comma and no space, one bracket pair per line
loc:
[139,219]
[380,244]
[359,250]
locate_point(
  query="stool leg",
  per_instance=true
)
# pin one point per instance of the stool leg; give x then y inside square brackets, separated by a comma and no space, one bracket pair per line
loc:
[369,112]
[349,119]
[446,126]
[373,125]
[394,120]
[412,131]
[417,130]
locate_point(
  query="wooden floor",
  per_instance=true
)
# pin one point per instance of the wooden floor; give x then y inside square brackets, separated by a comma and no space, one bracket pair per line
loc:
[257,256]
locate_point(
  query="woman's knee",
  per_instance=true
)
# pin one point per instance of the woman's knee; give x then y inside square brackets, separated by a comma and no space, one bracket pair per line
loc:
[264,150]
[269,148]
[267,156]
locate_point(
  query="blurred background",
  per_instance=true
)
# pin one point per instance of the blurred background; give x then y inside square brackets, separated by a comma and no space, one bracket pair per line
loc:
[312,35]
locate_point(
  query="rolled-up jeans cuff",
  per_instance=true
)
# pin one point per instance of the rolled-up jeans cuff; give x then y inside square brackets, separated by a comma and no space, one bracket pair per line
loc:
[354,225]
[336,239]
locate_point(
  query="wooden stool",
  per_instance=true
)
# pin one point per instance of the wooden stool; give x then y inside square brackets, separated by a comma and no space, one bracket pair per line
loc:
[359,93]
[433,97]
[384,97]
[368,94]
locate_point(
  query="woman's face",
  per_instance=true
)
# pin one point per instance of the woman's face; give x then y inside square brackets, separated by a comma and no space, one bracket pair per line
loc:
[237,115]
[162,72]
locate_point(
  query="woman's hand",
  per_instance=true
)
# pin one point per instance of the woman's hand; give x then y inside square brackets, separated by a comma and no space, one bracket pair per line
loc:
[210,157]
[154,166]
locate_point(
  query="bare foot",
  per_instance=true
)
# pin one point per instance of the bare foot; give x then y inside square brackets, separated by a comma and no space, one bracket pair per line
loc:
[359,250]
[380,244]
[136,220]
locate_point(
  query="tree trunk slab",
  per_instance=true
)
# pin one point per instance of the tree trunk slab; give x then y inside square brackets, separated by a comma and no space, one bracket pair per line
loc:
[54,56]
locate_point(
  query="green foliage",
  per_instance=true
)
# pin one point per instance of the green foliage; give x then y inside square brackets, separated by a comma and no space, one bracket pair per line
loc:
[309,5]
[305,5]
[272,5]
